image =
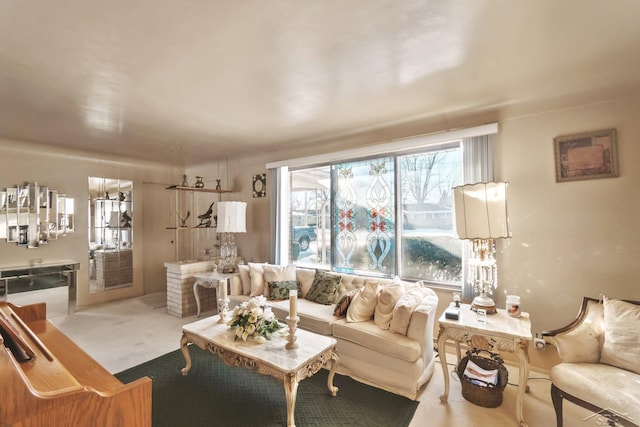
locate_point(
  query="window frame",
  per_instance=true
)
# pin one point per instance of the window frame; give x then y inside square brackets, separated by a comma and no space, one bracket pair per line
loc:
[480,166]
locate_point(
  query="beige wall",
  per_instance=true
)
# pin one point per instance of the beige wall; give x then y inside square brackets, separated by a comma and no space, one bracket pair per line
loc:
[569,239]
[67,172]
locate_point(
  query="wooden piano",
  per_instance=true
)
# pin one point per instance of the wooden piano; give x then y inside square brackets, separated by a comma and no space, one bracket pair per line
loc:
[47,380]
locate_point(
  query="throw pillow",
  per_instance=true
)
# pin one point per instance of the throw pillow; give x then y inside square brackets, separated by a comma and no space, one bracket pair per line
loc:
[305,277]
[343,303]
[364,303]
[256,271]
[621,346]
[403,311]
[387,300]
[277,273]
[324,287]
[279,289]
[245,278]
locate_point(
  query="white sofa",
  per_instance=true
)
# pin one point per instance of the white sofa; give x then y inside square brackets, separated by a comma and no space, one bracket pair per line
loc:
[396,362]
[600,360]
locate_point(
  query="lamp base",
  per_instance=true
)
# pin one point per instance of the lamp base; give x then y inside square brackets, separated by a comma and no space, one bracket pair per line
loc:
[483,302]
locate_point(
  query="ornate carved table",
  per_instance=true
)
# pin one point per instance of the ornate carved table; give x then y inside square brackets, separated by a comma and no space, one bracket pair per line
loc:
[210,280]
[500,332]
[268,358]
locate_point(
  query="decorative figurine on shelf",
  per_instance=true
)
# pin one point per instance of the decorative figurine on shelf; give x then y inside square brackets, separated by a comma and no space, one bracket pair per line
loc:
[185,183]
[125,220]
[183,221]
[218,186]
[121,196]
[199,183]
[205,218]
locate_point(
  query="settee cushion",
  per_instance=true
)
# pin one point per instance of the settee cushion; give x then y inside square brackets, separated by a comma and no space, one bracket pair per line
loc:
[621,346]
[364,303]
[404,309]
[324,288]
[256,272]
[602,385]
[277,273]
[305,277]
[367,334]
[314,317]
[343,303]
[245,278]
[387,299]
[279,289]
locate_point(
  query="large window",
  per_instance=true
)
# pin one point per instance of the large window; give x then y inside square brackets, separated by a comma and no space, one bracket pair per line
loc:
[385,216]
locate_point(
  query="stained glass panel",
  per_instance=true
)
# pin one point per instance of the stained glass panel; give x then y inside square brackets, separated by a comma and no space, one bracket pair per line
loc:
[363,206]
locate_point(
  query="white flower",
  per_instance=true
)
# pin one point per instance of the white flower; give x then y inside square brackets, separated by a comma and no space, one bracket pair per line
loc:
[251,328]
[239,331]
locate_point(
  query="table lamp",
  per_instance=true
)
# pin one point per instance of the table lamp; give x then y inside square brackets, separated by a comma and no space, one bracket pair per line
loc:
[481,217]
[232,218]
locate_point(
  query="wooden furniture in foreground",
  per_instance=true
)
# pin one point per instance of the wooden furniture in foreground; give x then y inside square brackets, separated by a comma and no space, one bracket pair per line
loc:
[500,332]
[61,385]
[268,358]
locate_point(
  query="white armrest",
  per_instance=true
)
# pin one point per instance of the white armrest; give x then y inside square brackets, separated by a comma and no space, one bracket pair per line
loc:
[581,340]
[421,325]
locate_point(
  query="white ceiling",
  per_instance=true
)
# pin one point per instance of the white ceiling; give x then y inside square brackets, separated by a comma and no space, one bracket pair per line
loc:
[187,81]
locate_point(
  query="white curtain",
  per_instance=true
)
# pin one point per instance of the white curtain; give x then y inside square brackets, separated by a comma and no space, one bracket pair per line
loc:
[279,207]
[477,163]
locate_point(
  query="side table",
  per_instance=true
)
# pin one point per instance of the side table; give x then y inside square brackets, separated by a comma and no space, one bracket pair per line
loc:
[500,332]
[210,280]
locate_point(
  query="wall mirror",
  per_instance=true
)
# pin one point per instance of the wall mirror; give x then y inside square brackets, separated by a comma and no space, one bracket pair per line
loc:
[110,233]
[31,215]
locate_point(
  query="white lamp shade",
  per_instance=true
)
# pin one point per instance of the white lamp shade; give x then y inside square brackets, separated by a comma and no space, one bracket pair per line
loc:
[232,217]
[481,211]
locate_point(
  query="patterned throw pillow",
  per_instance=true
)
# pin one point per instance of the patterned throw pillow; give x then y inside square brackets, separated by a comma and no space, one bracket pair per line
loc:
[343,303]
[279,290]
[324,288]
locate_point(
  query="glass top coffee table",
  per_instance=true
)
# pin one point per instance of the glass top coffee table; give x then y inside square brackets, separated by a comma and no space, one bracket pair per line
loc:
[268,358]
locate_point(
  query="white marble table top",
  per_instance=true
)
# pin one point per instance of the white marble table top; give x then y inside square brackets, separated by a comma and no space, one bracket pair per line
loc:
[271,352]
[500,323]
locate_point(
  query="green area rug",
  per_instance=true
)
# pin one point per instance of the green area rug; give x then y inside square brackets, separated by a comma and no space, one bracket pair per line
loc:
[214,394]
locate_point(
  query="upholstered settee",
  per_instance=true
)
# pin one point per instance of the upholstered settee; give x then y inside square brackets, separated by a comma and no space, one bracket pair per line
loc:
[383,327]
[600,360]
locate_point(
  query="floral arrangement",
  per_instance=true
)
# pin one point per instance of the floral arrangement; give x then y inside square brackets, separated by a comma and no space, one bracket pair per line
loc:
[254,319]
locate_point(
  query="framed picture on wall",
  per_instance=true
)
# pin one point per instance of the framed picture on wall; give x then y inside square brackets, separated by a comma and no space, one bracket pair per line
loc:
[260,185]
[586,156]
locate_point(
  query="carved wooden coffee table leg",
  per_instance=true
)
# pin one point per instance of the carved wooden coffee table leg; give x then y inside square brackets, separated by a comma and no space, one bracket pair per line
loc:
[291,392]
[185,351]
[335,359]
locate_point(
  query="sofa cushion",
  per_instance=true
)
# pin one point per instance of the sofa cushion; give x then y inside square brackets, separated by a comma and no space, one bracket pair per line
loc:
[279,289]
[245,278]
[387,300]
[403,310]
[343,303]
[314,317]
[368,335]
[621,346]
[324,288]
[363,306]
[277,273]
[603,385]
[256,272]
[305,276]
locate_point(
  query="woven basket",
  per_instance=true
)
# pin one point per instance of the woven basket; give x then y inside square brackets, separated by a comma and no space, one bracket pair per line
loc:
[490,395]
